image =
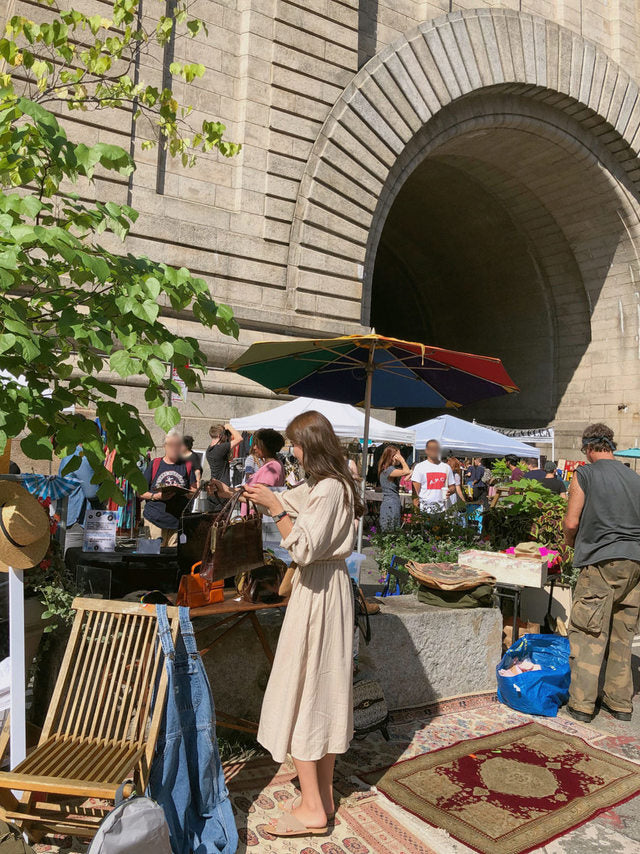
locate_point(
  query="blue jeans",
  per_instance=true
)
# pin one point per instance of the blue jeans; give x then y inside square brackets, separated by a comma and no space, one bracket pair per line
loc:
[186,776]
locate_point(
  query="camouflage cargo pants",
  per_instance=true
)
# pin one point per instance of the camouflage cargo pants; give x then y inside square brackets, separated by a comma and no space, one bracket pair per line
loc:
[606,603]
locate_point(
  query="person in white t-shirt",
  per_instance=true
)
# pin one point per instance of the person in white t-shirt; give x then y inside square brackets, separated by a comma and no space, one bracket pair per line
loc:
[433,481]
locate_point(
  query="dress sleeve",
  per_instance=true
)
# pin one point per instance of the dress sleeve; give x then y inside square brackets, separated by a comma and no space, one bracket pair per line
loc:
[322,525]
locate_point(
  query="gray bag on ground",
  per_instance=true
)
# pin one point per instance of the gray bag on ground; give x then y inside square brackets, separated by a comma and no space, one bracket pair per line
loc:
[11,841]
[137,824]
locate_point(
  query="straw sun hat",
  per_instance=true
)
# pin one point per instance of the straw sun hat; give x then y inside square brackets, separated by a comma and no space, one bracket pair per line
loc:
[24,528]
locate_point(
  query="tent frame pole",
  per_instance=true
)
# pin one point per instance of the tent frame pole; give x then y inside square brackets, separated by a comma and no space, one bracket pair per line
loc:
[365,439]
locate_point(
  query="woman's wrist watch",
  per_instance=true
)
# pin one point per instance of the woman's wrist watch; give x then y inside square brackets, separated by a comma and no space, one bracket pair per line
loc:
[278,516]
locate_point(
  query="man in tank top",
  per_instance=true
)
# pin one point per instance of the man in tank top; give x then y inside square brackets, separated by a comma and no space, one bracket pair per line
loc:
[603,523]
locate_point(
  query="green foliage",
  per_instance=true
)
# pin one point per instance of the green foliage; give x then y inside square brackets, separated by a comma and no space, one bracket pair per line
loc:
[92,61]
[73,308]
[501,471]
[533,513]
[426,538]
[53,584]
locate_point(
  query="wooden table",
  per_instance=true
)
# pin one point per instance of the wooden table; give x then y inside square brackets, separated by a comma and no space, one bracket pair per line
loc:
[233,612]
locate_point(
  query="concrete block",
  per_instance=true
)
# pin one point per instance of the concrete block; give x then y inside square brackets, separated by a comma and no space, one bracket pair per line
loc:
[421,653]
[237,667]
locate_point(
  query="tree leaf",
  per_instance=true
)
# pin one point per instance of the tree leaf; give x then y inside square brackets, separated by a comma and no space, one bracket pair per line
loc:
[166,417]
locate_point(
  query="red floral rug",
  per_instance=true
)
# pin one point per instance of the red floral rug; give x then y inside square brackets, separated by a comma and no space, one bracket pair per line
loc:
[512,791]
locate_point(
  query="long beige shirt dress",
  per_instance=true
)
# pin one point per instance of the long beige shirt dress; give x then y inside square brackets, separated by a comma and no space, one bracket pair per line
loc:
[307,707]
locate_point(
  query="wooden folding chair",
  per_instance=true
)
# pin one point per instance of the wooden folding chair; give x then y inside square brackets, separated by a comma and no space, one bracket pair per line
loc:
[102,725]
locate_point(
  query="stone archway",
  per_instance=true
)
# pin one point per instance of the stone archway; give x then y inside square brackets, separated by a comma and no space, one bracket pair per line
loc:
[451,105]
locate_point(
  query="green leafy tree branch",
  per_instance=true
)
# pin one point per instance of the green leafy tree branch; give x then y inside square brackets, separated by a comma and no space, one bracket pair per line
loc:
[72,310]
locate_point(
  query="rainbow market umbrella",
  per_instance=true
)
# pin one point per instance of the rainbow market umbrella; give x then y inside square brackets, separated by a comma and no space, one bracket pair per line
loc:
[374,371]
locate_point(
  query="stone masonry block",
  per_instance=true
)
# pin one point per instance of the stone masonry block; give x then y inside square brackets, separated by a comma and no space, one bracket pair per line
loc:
[421,653]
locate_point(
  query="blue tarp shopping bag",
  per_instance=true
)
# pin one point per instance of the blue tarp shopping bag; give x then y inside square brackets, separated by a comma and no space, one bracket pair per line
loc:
[538,692]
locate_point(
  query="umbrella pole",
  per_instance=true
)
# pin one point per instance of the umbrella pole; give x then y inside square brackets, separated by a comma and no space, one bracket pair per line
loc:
[365,440]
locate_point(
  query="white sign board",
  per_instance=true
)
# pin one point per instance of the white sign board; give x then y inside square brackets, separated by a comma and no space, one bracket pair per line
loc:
[100,531]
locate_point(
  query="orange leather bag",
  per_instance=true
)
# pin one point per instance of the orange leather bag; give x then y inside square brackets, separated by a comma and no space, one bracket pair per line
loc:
[196,590]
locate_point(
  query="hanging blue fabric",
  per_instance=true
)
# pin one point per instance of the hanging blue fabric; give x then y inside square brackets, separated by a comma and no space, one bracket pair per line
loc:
[186,775]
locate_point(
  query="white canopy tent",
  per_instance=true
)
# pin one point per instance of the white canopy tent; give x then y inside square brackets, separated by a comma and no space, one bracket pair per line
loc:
[347,421]
[541,435]
[454,434]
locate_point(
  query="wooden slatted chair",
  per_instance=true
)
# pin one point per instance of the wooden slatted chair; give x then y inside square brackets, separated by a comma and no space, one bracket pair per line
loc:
[103,721]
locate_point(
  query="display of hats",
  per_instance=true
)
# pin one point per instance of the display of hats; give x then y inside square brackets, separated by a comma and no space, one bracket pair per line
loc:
[24,528]
[527,550]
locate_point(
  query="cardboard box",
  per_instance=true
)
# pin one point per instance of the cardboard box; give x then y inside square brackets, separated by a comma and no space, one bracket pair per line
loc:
[507,569]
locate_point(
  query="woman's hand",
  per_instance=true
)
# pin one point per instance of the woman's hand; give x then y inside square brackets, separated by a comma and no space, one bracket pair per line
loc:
[217,487]
[261,494]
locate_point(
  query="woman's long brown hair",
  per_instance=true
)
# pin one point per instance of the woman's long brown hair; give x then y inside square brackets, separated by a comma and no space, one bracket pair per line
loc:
[454,465]
[386,459]
[323,455]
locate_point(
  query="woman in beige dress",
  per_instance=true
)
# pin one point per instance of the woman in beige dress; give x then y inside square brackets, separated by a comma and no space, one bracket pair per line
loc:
[307,708]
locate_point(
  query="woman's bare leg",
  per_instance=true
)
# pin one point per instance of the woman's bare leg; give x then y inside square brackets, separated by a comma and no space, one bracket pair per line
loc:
[325,782]
[310,812]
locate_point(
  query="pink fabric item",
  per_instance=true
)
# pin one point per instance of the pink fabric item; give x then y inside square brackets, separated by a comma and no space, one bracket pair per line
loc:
[271,474]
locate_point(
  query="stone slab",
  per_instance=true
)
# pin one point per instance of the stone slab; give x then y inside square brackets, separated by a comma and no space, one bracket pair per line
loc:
[237,667]
[421,653]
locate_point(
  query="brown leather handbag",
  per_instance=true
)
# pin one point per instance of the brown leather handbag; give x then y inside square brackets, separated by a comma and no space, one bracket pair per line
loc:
[235,543]
[263,584]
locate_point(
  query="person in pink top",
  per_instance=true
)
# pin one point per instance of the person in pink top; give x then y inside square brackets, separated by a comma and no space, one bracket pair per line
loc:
[266,445]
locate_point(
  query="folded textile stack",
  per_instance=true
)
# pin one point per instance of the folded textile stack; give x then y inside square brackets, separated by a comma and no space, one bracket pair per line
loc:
[525,665]
[448,576]
[448,585]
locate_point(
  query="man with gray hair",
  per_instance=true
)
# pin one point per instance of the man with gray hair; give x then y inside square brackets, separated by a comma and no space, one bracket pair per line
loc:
[165,505]
[603,523]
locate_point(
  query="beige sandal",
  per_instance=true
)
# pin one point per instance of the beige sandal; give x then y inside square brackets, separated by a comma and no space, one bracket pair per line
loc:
[289,825]
[294,803]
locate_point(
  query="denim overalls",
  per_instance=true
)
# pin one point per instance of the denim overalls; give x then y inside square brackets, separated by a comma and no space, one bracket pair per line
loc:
[186,776]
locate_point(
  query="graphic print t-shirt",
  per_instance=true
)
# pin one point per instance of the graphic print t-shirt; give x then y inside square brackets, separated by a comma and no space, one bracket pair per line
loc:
[432,480]
[166,514]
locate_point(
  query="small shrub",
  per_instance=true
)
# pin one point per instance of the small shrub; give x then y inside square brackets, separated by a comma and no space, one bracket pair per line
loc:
[425,538]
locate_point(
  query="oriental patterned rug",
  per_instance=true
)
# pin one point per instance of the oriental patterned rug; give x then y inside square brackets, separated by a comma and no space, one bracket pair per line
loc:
[512,791]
